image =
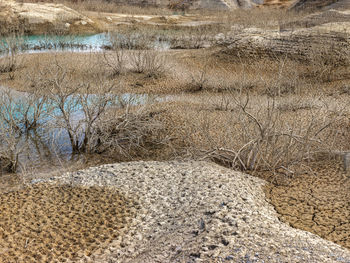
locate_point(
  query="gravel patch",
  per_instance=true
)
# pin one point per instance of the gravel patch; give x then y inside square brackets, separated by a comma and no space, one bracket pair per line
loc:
[199,212]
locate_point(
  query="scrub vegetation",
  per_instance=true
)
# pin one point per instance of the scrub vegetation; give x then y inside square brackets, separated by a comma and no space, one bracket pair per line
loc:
[166,93]
[250,113]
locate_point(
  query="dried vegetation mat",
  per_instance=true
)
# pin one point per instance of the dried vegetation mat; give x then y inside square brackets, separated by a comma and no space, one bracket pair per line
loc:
[130,71]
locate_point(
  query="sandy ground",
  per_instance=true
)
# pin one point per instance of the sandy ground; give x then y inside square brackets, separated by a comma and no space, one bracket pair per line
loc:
[184,212]
[111,21]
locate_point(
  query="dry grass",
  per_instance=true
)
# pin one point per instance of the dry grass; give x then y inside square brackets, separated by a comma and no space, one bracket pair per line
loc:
[109,7]
[256,17]
[82,65]
[266,18]
[179,71]
[248,113]
[265,135]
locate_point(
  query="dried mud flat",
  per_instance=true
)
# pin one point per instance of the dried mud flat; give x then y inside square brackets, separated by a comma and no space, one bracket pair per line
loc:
[47,223]
[317,202]
[173,212]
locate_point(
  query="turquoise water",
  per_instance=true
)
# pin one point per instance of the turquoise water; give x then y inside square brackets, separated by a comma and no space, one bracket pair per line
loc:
[40,43]
[76,43]
[90,42]
[50,139]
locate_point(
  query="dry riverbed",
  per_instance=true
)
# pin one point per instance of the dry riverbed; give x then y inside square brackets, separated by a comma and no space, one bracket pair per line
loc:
[171,212]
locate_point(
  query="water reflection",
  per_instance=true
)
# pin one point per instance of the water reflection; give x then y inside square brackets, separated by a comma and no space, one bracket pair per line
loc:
[34,129]
[79,43]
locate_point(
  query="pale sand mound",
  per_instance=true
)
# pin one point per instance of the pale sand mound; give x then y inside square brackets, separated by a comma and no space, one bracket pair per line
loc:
[43,17]
[200,212]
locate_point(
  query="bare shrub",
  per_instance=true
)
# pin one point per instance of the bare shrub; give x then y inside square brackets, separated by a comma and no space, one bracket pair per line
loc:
[61,117]
[76,106]
[9,59]
[287,79]
[23,112]
[21,116]
[194,37]
[148,62]
[199,78]
[131,39]
[268,144]
[326,62]
[115,61]
[9,149]
[131,134]
[255,134]
[137,49]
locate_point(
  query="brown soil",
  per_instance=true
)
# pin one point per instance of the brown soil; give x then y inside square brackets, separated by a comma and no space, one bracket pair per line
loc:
[317,202]
[49,222]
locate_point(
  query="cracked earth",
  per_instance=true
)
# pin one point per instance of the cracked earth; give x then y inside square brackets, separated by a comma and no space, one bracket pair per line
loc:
[317,202]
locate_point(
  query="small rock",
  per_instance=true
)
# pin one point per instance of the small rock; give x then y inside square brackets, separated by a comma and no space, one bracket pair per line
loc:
[195,255]
[225,242]
[229,257]
[201,224]
[212,247]
[178,249]
[205,249]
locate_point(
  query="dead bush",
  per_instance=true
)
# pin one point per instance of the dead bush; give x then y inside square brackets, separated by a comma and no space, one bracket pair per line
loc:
[75,106]
[23,116]
[254,134]
[194,37]
[130,134]
[10,149]
[132,40]
[148,62]
[10,60]
[328,62]
[115,61]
